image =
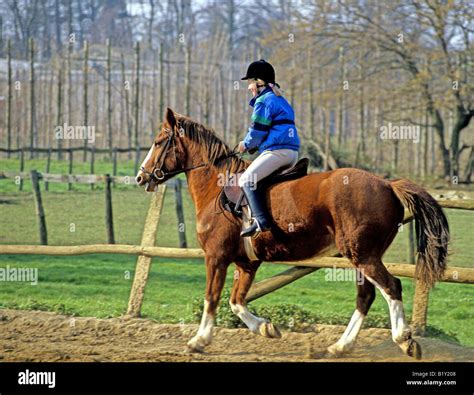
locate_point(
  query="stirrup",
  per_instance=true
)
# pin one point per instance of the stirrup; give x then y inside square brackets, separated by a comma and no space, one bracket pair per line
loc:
[256,232]
[251,231]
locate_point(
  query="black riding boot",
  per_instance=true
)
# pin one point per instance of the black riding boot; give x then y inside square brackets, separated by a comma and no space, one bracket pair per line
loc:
[257,202]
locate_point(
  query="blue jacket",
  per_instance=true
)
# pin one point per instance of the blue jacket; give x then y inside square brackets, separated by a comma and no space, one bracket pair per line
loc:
[272,124]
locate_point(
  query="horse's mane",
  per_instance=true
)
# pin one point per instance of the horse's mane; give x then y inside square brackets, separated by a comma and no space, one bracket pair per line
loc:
[214,147]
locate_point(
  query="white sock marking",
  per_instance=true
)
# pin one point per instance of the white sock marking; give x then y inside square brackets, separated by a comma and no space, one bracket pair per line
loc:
[397,315]
[253,322]
[205,327]
[349,336]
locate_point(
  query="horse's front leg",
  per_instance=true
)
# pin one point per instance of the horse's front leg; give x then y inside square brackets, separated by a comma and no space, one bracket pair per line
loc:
[243,278]
[216,271]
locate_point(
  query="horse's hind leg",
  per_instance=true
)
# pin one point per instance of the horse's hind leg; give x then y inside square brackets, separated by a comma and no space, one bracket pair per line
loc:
[391,289]
[365,297]
[243,278]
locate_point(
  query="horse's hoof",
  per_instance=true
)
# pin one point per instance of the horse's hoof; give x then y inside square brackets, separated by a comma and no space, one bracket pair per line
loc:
[413,349]
[195,345]
[267,329]
[194,350]
[319,353]
[334,351]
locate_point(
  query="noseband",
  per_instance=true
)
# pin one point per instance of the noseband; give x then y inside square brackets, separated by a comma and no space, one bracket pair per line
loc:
[158,174]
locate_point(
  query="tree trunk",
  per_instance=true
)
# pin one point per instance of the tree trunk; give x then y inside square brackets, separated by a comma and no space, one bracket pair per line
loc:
[59,111]
[161,108]
[137,93]
[439,128]
[461,121]
[109,97]
[85,72]
[341,101]
[311,94]
[9,97]
[33,131]
[187,80]
[126,88]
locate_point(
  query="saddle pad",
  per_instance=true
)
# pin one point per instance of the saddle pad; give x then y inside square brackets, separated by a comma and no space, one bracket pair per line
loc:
[233,191]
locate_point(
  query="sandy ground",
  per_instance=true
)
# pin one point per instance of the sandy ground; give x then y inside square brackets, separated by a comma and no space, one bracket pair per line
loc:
[42,336]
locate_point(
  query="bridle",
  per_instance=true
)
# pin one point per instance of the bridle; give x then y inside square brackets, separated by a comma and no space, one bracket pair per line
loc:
[158,174]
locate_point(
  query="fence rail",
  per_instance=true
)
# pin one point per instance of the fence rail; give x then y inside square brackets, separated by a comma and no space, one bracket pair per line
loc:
[78,178]
[453,274]
[112,152]
[74,149]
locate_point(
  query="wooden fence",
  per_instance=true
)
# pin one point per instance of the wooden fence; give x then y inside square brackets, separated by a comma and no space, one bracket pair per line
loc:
[300,268]
[111,152]
[91,179]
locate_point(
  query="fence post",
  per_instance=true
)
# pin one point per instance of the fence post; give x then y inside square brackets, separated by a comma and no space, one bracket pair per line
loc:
[144,262]
[92,165]
[137,159]
[109,220]
[22,168]
[39,207]
[114,170]
[71,160]
[180,214]
[420,308]
[48,166]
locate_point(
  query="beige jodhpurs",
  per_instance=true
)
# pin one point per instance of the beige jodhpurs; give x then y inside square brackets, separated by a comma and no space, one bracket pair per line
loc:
[266,163]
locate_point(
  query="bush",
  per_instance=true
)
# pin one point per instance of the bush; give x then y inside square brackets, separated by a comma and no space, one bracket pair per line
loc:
[225,317]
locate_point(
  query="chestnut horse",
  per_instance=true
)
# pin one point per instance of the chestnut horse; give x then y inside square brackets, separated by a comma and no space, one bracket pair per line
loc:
[345,210]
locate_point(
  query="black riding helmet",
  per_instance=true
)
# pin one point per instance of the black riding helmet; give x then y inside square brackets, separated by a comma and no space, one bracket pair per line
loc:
[261,69]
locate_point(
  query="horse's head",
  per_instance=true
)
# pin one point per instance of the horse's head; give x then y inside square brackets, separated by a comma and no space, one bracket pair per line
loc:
[165,157]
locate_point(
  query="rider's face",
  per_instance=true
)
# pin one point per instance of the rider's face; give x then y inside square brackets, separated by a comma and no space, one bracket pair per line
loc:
[253,87]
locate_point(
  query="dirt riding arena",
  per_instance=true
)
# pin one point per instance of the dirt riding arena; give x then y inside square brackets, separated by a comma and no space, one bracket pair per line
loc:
[41,336]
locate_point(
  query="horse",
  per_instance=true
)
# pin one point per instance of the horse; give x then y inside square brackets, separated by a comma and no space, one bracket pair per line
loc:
[347,210]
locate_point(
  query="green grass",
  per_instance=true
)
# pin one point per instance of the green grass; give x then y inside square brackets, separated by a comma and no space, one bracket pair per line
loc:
[99,285]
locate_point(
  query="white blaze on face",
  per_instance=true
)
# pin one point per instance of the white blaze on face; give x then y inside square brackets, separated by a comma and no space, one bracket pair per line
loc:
[148,156]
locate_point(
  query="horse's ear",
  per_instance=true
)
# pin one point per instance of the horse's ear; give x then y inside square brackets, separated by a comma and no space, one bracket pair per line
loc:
[170,118]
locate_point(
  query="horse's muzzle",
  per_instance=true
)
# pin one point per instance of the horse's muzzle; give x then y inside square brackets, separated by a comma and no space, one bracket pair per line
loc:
[141,178]
[145,179]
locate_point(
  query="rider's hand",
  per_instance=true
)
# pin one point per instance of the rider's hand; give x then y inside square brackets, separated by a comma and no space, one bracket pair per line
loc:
[242,148]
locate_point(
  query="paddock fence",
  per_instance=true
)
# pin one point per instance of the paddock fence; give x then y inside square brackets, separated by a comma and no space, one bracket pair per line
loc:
[300,268]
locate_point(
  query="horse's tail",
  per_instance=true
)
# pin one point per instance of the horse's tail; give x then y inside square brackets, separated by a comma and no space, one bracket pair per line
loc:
[432,230]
